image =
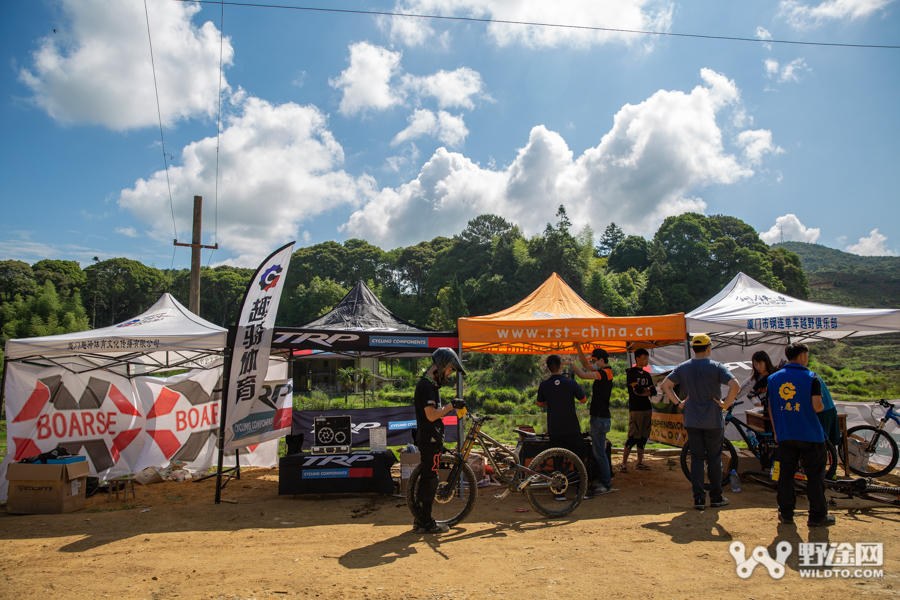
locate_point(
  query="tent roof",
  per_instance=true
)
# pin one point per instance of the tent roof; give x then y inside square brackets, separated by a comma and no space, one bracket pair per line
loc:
[747,312]
[554,318]
[165,327]
[362,325]
[361,310]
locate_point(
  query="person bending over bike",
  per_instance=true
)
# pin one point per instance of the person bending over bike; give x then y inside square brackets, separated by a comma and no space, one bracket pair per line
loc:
[430,432]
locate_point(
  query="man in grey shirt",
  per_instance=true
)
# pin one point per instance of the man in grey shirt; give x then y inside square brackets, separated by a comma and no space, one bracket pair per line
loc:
[702,380]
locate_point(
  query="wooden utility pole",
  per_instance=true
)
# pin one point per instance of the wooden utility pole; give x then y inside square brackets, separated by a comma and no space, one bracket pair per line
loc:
[196,246]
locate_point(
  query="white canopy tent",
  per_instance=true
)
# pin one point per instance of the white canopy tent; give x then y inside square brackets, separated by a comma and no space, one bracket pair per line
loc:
[747,313]
[166,336]
[56,387]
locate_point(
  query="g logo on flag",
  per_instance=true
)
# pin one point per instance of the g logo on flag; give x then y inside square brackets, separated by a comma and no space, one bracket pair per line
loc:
[787,391]
[270,278]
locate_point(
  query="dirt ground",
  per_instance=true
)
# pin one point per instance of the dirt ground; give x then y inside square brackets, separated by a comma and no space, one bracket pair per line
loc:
[643,541]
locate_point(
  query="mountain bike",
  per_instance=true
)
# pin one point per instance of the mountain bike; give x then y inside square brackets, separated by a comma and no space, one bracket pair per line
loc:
[762,445]
[863,488]
[554,482]
[874,452]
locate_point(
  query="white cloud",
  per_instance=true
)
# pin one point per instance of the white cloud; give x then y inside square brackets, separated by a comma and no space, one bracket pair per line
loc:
[652,15]
[97,69]
[366,82]
[790,229]
[763,34]
[129,231]
[874,245]
[841,239]
[756,144]
[803,16]
[452,89]
[278,168]
[449,129]
[375,80]
[792,70]
[650,165]
[789,72]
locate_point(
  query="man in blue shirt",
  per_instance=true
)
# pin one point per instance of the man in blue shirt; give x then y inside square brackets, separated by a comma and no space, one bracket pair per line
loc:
[558,394]
[702,379]
[795,396]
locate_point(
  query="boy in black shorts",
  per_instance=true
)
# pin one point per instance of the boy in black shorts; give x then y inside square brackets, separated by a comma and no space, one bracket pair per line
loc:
[640,412]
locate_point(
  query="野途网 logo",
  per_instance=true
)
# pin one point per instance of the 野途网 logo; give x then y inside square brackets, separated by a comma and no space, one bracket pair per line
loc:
[760,556]
[270,278]
[787,391]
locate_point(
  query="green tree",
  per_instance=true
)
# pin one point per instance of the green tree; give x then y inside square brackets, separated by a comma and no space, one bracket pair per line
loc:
[346,377]
[451,306]
[66,275]
[119,288]
[787,268]
[364,376]
[414,263]
[611,237]
[16,279]
[603,296]
[309,302]
[631,253]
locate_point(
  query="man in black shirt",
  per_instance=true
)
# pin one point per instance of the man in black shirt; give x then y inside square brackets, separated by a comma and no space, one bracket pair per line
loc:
[601,419]
[558,394]
[640,412]
[430,433]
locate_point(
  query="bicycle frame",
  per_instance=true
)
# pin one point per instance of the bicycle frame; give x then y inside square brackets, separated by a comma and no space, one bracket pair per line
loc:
[768,438]
[475,434]
[890,415]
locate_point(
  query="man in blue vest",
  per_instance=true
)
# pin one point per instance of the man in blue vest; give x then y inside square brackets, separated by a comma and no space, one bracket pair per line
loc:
[795,396]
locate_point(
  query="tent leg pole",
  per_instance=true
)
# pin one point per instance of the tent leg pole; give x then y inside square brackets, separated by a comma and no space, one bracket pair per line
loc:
[226,377]
[237,464]
[687,350]
[3,389]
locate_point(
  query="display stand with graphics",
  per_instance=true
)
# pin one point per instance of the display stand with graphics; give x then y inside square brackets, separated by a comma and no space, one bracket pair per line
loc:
[253,412]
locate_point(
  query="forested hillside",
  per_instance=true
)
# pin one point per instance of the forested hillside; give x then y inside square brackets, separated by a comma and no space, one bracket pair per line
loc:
[488,266]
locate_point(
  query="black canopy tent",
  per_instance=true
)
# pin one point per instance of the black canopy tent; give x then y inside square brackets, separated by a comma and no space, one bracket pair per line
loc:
[361,326]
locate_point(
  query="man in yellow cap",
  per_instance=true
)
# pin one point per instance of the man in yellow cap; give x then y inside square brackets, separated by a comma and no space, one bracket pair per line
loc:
[702,379]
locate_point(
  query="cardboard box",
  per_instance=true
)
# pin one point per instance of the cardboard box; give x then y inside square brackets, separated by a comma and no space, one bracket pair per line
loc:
[759,421]
[36,489]
[408,462]
[746,462]
[148,476]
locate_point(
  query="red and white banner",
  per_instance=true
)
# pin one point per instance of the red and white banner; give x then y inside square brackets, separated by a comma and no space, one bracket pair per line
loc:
[123,426]
[250,354]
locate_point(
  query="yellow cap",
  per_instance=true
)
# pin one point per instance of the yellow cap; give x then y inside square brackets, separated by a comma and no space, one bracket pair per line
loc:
[701,339]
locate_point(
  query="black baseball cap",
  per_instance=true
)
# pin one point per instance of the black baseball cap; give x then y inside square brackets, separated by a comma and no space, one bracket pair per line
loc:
[600,353]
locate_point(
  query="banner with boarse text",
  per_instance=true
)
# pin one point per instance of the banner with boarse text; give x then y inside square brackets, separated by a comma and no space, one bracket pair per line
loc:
[250,348]
[120,425]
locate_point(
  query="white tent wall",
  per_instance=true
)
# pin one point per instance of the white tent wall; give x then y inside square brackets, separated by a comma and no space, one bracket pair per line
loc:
[65,390]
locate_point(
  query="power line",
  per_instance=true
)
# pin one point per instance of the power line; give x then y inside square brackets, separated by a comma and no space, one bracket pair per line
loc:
[218,130]
[161,138]
[536,24]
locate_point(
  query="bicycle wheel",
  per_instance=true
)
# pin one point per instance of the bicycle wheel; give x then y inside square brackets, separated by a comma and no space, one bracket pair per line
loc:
[727,449]
[565,492]
[831,460]
[452,502]
[873,453]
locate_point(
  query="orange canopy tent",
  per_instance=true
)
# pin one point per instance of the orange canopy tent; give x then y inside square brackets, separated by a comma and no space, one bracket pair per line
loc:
[554,318]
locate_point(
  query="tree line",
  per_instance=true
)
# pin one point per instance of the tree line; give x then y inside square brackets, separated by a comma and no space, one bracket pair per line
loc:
[488,266]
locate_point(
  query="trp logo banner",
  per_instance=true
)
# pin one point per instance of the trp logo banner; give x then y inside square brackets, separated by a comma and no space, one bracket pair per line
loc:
[251,346]
[97,415]
[270,414]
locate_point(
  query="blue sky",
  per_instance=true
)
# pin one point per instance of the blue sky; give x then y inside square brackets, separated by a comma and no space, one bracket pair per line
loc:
[396,130]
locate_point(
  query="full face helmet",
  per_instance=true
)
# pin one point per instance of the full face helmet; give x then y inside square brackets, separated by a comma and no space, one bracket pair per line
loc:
[444,357]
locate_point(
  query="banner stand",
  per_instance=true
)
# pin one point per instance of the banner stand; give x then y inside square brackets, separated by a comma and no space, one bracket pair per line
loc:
[226,377]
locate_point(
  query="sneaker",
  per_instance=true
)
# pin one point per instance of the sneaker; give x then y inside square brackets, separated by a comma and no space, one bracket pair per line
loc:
[435,527]
[589,494]
[785,520]
[623,468]
[825,521]
[700,504]
[723,501]
[602,489]
[642,467]
[560,498]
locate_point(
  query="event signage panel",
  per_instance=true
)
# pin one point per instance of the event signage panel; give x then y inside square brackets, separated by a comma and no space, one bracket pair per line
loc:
[330,340]
[250,350]
[399,421]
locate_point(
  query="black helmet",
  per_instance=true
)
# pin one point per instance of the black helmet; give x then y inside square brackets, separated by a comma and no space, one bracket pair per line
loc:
[443,357]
